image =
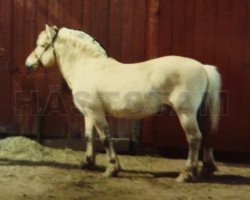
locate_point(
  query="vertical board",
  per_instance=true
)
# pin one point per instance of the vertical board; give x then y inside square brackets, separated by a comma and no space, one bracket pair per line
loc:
[75,14]
[237,106]
[99,22]
[86,15]
[114,37]
[214,32]
[17,39]
[64,14]
[127,40]
[5,66]
[165,28]
[139,19]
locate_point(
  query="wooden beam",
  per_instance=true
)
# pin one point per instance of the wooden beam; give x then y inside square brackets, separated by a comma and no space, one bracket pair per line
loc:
[153,7]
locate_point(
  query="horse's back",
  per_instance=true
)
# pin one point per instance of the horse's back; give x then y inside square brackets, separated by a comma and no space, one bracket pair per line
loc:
[125,88]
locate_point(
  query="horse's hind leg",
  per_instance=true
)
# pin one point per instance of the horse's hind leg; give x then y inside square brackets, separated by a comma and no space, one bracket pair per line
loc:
[209,166]
[104,133]
[190,125]
[89,162]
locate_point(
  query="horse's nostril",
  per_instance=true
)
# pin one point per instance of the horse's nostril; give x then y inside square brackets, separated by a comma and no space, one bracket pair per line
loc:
[28,66]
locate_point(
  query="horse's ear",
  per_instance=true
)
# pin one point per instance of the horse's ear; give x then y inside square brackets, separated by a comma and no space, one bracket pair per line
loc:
[55,28]
[50,31]
[47,27]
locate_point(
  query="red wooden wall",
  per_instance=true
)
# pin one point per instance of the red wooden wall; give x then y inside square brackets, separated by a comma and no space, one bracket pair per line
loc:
[215,32]
[40,102]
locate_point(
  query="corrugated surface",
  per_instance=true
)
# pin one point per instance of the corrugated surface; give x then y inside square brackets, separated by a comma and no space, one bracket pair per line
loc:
[215,32]
[40,102]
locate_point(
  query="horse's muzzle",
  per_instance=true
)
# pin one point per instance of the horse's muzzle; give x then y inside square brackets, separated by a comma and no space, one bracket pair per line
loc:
[30,66]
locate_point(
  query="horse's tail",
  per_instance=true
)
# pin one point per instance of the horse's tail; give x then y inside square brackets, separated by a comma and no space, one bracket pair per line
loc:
[212,97]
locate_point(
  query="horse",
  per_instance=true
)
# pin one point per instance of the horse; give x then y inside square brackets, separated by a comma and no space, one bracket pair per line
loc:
[101,85]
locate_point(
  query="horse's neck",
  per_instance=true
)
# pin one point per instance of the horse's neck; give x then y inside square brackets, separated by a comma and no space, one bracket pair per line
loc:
[68,56]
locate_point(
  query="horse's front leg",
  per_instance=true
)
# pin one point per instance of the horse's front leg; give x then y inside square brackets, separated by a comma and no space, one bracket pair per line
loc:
[113,162]
[89,161]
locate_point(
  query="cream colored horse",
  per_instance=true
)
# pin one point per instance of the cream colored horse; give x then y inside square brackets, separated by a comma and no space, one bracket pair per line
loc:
[101,84]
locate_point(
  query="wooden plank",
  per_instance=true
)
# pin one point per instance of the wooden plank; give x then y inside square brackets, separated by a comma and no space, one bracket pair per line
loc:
[199,34]
[165,42]
[55,115]
[29,26]
[209,31]
[103,25]
[5,65]
[237,47]
[127,39]
[6,30]
[38,78]
[76,14]
[64,13]
[178,27]
[5,41]
[139,19]
[86,16]
[99,21]
[153,7]
[2,122]
[94,18]
[224,29]
[245,108]
[18,30]
[53,12]
[189,29]
[114,38]
[41,16]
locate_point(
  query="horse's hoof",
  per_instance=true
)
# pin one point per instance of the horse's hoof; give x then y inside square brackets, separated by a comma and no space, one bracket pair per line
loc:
[208,170]
[111,171]
[186,177]
[87,165]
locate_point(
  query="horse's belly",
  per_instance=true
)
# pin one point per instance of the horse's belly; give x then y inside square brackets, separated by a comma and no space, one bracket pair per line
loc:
[134,106]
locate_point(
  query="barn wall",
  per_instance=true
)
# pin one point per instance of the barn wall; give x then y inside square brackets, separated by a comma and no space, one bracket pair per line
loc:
[40,102]
[214,32]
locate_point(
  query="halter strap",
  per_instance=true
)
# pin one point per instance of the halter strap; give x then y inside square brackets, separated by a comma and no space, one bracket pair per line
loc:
[51,44]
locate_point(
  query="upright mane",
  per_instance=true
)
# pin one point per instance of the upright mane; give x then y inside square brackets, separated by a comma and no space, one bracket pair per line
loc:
[83,41]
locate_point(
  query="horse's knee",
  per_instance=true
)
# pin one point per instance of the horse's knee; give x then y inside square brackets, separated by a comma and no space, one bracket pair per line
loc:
[194,140]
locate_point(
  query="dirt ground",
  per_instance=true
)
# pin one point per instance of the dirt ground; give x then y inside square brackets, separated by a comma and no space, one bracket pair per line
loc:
[31,171]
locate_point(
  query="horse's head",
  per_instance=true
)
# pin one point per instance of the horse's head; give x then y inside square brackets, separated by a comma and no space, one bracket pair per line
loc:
[43,54]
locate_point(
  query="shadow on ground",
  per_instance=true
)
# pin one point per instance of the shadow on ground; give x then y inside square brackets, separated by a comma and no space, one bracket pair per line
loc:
[229,179]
